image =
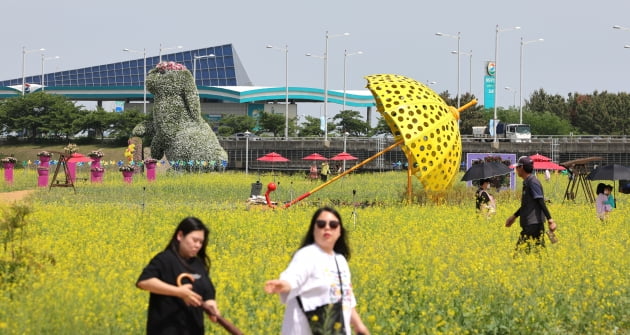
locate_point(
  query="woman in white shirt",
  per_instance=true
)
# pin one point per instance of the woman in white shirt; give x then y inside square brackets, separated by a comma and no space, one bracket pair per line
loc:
[314,275]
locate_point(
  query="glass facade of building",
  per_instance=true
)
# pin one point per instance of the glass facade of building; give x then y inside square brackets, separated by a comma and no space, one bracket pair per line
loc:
[222,69]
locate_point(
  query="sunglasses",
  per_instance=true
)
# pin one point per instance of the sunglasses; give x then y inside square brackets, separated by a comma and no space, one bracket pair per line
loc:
[321,224]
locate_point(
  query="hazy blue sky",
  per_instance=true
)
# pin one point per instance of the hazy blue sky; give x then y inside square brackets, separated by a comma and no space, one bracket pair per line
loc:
[581,52]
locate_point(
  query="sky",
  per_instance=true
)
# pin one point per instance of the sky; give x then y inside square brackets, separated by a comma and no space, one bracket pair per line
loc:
[581,52]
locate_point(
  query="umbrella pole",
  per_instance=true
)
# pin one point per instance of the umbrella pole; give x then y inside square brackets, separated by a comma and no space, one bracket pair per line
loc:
[307,194]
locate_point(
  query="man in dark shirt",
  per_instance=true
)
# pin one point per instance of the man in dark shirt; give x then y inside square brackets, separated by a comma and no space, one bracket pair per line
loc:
[533,210]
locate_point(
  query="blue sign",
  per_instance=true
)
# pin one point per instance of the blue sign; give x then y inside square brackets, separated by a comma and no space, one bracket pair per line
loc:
[489,91]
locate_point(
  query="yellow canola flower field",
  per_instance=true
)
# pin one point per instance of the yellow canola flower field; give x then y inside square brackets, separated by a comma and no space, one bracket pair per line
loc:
[416,269]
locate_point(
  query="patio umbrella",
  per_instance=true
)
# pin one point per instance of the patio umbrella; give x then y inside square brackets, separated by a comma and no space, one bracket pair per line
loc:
[344,156]
[272,157]
[485,170]
[547,165]
[610,172]
[315,157]
[540,158]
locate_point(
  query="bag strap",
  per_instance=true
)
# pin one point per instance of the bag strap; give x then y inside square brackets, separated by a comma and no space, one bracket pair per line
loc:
[340,285]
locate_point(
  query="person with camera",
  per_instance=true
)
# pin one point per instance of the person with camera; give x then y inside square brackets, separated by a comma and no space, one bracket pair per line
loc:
[533,211]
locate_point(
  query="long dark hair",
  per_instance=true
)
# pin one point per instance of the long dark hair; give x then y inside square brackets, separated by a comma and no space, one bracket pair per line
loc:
[188,225]
[341,246]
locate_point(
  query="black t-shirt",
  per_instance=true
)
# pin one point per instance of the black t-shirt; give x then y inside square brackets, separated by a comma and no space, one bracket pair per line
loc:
[531,211]
[170,315]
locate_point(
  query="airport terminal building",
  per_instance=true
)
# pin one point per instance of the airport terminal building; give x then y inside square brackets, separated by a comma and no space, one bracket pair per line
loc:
[222,81]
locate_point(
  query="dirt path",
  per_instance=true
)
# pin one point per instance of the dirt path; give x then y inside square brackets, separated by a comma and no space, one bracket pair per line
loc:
[8,197]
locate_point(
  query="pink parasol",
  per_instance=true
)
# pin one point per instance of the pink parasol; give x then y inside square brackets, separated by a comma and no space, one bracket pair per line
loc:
[273,157]
[344,156]
[538,165]
[540,158]
[315,157]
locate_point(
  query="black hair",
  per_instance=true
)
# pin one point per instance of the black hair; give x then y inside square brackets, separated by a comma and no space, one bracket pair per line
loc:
[600,188]
[186,226]
[341,246]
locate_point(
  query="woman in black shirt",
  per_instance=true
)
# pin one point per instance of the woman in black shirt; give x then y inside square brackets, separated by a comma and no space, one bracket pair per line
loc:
[175,309]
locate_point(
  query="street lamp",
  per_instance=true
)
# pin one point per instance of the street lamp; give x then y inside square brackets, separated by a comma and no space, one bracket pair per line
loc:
[509,89]
[496,75]
[24,52]
[520,96]
[469,54]
[144,72]
[169,48]
[620,27]
[325,57]
[458,37]
[345,56]
[286,88]
[345,138]
[44,58]
[195,58]
[247,134]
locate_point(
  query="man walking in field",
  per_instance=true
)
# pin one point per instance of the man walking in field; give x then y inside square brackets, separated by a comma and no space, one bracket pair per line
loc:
[533,210]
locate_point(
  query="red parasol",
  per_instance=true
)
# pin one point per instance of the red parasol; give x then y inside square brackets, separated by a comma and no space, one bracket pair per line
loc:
[344,156]
[76,158]
[273,157]
[539,158]
[315,157]
[547,166]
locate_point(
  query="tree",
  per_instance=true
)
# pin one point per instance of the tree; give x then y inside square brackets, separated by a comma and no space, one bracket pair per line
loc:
[123,123]
[350,121]
[273,123]
[236,124]
[39,113]
[98,121]
[547,123]
[381,126]
[311,127]
[540,102]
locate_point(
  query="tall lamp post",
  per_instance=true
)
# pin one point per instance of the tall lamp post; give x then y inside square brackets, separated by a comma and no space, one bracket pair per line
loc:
[458,37]
[496,78]
[44,58]
[286,88]
[167,48]
[469,54]
[195,59]
[247,134]
[345,138]
[144,72]
[325,57]
[345,56]
[520,89]
[24,52]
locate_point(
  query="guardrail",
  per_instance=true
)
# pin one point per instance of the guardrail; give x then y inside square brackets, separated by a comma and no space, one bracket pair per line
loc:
[562,139]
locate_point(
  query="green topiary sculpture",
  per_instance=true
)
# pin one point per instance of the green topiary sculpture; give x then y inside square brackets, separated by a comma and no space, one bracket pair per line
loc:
[179,131]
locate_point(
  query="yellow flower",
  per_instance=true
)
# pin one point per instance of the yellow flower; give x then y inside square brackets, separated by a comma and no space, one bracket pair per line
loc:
[315,318]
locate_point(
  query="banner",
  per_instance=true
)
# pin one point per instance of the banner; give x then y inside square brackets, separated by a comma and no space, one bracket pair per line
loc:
[488,91]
